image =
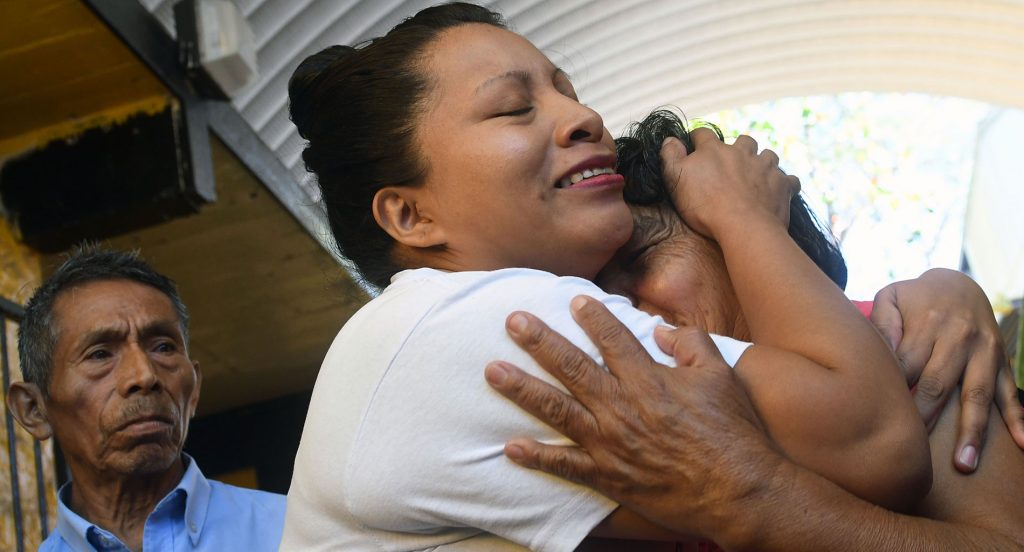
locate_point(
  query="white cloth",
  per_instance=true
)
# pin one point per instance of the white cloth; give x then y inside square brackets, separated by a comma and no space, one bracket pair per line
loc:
[402,447]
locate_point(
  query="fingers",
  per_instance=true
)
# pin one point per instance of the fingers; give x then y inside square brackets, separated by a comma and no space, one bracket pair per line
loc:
[546,403]
[940,377]
[976,397]
[583,377]
[572,463]
[1009,405]
[747,143]
[673,151]
[885,315]
[793,184]
[770,156]
[916,349]
[702,135]
[790,186]
[688,345]
[619,347]
[930,394]
[976,402]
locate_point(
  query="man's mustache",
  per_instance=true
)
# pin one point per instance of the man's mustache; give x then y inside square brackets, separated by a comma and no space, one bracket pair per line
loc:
[145,409]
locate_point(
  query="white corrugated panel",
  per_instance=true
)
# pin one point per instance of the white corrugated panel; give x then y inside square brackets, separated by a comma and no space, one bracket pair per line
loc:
[628,56]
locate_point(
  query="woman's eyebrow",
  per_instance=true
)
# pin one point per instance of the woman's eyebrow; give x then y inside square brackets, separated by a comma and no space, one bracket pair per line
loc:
[516,74]
[521,76]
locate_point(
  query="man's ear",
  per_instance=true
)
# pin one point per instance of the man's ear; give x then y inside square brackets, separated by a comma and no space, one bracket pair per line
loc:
[25,401]
[398,211]
[193,401]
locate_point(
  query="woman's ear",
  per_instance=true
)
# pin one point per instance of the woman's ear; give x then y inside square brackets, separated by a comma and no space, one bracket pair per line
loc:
[399,212]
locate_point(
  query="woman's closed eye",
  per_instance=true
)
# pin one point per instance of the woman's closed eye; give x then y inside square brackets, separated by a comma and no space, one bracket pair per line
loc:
[515,112]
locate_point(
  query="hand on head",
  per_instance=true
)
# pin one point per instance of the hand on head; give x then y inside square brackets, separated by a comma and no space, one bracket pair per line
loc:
[721,184]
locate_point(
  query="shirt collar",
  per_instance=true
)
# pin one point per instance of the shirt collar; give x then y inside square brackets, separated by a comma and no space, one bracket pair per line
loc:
[197,499]
[71,526]
[74,528]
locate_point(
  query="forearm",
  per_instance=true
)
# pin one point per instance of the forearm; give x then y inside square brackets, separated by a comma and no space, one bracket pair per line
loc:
[822,379]
[800,511]
[790,304]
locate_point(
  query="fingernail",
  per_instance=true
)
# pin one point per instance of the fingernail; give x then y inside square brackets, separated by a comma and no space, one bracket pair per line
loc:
[517,323]
[514,452]
[969,456]
[496,374]
[577,303]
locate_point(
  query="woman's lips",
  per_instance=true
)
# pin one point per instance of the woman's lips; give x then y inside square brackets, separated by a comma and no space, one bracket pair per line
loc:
[599,181]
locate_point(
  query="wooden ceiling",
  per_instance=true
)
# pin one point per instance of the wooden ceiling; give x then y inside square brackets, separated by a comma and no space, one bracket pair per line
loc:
[266,298]
[64,71]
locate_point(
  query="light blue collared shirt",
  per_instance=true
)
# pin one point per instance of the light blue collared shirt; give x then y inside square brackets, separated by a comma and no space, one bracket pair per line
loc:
[198,514]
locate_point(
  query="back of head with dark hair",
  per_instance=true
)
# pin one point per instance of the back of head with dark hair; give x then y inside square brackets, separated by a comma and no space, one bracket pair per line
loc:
[37,334]
[357,107]
[640,163]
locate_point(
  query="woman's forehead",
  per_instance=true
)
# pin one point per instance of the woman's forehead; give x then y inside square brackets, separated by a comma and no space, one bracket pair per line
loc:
[474,56]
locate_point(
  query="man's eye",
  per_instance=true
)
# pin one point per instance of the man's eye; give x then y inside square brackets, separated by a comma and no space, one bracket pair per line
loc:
[165,347]
[98,354]
[516,113]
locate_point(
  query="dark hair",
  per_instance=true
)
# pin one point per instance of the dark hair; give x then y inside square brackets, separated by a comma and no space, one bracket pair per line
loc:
[357,108]
[37,334]
[640,163]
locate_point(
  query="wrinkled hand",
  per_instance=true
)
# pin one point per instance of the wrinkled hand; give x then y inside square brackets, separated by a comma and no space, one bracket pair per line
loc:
[943,331]
[720,184]
[678,446]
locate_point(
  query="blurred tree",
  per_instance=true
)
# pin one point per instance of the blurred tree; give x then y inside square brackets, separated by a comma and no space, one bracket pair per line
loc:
[888,172]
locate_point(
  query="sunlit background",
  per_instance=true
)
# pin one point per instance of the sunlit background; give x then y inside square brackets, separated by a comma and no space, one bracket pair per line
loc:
[890,173]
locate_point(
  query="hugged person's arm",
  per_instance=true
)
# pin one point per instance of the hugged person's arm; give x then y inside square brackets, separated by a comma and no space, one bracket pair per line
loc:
[819,375]
[695,461]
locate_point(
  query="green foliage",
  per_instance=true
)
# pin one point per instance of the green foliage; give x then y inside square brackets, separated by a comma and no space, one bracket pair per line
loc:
[888,172]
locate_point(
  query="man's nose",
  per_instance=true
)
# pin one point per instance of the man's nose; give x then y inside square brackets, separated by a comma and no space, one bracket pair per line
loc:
[136,372]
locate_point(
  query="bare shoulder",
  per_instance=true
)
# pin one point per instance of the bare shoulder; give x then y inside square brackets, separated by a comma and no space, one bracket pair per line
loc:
[990,498]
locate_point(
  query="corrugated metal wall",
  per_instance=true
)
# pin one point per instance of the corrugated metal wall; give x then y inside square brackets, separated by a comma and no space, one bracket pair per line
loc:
[627,56]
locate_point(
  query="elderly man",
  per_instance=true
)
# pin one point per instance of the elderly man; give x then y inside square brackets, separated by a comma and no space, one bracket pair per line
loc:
[104,351]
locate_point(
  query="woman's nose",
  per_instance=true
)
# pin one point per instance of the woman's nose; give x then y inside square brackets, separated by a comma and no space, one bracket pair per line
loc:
[579,124]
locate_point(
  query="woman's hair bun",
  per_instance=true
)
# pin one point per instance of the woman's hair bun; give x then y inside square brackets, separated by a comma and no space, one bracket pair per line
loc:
[305,81]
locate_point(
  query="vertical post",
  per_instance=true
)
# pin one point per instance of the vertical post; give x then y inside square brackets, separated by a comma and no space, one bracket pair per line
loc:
[1019,368]
[12,448]
[44,514]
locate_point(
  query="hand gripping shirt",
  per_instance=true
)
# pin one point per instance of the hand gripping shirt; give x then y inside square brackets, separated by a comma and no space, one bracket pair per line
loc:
[402,447]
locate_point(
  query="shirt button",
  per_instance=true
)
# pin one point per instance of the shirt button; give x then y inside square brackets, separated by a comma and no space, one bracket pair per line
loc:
[192,526]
